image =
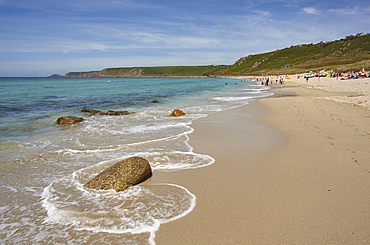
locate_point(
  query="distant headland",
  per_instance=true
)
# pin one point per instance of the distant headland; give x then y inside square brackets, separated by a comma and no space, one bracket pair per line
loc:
[349,54]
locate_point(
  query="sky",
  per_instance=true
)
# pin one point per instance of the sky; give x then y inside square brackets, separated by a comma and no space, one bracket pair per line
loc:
[44,37]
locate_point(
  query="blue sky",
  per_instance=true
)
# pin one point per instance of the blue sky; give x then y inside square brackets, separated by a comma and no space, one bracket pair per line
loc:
[42,37]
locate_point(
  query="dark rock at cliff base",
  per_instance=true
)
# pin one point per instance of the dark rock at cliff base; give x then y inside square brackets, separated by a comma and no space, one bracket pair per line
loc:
[177,113]
[122,175]
[69,120]
[90,111]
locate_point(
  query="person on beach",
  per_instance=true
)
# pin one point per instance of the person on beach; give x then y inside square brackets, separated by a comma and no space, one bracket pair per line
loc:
[267,82]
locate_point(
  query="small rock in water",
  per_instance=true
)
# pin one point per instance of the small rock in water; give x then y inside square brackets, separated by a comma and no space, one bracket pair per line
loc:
[69,120]
[177,113]
[109,113]
[122,175]
[117,113]
[90,111]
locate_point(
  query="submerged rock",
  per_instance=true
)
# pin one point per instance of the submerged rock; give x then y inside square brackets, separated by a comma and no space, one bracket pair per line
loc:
[90,111]
[122,175]
[117,113]
[100,113]
[109,113]
[69,120]
[177,113]
[155,101]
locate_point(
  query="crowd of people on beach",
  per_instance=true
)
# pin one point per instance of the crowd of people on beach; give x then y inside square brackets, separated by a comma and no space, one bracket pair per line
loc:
[342,76]
[267,80]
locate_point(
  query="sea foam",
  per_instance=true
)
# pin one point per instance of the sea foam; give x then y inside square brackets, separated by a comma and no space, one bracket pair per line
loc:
[139,209]
[54,161]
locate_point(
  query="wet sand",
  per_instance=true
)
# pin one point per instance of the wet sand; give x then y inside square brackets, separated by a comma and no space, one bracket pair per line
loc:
[290,169]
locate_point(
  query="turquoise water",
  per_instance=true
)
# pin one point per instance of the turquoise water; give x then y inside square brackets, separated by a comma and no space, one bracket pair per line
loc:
[44,166]
[25,102]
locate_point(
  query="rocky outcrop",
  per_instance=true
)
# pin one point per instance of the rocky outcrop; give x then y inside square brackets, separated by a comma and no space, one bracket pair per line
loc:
[154,101]
[56,75]
[122,175]
[69,120]
[177,113]
[89,110]
[109,113]
[117,113]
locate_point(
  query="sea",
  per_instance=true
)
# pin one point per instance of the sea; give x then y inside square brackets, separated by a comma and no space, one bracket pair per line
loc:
[43,166]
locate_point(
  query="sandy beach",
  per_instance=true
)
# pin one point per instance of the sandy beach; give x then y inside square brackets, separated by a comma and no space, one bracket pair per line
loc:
[290,169]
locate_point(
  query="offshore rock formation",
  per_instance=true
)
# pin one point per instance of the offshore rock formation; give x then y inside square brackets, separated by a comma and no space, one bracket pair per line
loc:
[109,113]
[89,111]
[117,113]
[177,113]
[69,120]
[122,175]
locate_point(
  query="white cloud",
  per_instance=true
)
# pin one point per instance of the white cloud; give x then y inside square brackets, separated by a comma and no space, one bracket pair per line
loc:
[66,64]
[127,37]
[78,5]
[311,10]
[50,45]
[116,40]
[350,11]
[155,39]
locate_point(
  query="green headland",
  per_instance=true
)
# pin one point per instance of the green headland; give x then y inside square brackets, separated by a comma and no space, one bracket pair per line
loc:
[351,53]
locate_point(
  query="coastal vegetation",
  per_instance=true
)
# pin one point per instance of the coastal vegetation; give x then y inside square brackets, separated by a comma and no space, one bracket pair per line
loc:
[345,55]
[349,54]
[159,71]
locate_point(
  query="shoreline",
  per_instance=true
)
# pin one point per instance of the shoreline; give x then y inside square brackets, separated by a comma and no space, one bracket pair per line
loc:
[290,169]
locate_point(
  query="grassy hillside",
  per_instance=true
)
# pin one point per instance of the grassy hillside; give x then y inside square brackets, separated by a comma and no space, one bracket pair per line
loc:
[155,71]
[349,54]
[81,74]
[352,53]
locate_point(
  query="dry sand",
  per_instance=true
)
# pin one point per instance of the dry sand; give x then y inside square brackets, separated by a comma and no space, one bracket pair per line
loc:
[290,169]
[353,91]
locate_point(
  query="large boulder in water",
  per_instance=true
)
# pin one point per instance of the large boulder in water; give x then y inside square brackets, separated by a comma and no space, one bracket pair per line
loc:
[177,113]
[122,175]
[69,120]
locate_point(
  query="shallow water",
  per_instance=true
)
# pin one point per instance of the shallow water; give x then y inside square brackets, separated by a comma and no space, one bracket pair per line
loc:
[44,166]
